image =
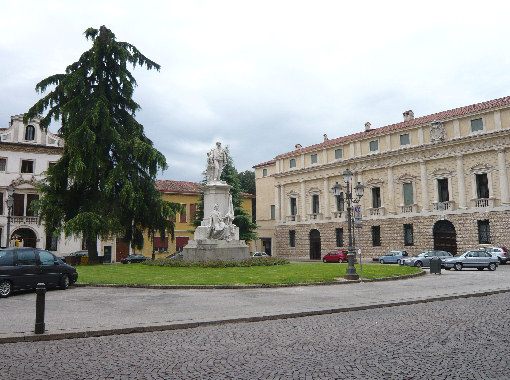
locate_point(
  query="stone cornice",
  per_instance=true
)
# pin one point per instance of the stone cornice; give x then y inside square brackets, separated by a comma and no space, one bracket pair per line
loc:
[30,148]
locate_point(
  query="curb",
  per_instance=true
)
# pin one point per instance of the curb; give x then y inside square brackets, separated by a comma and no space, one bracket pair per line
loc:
[342,282]
[181,326]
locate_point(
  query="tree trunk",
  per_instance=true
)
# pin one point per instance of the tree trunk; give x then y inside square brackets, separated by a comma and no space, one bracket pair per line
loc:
[92,250]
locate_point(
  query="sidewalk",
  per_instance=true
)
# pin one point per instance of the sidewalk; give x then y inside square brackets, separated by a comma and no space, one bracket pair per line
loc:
[95,311]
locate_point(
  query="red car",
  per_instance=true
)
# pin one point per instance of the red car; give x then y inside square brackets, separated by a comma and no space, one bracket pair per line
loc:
[335,257]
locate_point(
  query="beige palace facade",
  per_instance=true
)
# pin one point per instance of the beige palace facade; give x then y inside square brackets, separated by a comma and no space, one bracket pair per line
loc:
[438,181]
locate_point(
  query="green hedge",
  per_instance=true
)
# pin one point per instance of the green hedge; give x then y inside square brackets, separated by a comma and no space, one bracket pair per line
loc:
[253,262]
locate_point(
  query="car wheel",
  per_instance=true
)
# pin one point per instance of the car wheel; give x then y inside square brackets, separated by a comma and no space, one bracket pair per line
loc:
[458,266]
[501,262]
[5,288]
[447,268]
[324,260]
[381,261]
[64,282]
[340,261]
[418,264]
[480,268]
[398,261]
[492,266]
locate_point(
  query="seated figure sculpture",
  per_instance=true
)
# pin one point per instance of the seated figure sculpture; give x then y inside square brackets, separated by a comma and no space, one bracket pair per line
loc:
[221,228]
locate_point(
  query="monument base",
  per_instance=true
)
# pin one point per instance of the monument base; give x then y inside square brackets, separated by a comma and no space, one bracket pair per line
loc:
[209,249]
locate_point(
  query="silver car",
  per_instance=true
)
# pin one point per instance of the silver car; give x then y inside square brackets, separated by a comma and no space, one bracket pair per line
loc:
[423,259]
[471,259]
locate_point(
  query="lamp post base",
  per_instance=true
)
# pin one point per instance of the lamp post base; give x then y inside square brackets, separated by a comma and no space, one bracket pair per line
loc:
[351,277]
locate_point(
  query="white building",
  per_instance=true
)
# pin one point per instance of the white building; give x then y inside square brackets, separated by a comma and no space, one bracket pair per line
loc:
[26,152]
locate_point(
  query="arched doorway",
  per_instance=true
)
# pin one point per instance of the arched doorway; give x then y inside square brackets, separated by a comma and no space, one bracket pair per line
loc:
[445,237]
[315,245]
[26,236]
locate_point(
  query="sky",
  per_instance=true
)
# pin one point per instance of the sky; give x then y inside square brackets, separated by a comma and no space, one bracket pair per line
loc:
[262,76]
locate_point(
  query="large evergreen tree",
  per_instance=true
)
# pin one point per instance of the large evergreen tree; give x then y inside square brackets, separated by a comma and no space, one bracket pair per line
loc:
[104,183]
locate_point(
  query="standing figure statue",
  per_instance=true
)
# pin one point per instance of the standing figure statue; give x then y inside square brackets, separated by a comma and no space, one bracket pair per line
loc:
[216,160]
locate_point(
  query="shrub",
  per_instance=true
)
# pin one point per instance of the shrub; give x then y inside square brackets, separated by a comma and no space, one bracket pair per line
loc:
[252,262]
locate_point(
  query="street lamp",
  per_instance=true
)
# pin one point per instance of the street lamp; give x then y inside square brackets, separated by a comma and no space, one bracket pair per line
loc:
[337,191]
[10,203]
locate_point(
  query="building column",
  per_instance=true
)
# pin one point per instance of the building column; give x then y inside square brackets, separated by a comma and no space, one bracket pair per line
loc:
[277,203]
[503,178]
[303,200]
[391,192]
[283,215]
[461,182]
[424,187]
[327,210]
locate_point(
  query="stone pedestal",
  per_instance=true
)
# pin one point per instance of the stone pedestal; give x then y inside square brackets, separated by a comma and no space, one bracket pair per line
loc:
[209,249]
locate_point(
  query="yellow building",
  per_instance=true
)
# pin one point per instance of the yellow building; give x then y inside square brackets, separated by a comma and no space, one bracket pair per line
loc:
[433,182]
[188,195]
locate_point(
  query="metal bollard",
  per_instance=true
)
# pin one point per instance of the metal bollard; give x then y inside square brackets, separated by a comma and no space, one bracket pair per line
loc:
[39,308]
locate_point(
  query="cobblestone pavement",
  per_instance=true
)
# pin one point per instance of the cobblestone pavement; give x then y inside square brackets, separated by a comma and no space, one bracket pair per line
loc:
[457,339]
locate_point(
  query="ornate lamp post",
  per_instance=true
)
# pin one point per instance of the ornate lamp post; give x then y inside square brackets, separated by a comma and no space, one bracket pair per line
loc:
[10,203]
[337,191]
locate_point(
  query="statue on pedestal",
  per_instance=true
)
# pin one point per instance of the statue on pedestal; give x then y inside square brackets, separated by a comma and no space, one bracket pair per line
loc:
[216,160]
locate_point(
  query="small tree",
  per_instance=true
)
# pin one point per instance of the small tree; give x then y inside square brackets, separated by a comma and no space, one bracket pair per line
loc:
[104,183]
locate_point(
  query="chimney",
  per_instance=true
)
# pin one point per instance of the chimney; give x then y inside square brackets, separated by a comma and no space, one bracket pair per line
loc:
[408,115]
[298,146]
[367,126]
[325,137]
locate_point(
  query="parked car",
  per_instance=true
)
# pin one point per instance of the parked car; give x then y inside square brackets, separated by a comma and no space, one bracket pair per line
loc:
[500,252]
[260,254]
[336,256]
[24,268]
[177,255]
[423,259]
[133,259]
[393,257]
[471,259]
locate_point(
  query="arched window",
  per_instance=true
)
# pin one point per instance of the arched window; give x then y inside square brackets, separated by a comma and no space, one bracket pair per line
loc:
[30,133]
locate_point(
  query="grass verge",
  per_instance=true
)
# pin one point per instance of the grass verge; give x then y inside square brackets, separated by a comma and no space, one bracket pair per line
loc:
[294,273]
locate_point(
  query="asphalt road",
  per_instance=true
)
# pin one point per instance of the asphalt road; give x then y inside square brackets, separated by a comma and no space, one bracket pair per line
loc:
[464,338]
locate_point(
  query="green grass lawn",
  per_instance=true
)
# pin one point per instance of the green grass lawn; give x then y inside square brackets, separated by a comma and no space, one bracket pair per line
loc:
[293,273]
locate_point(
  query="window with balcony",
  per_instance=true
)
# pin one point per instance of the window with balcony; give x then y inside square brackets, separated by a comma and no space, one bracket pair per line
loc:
[30,133]
[19,204]
[408,194]
[31,202]
[273,212]
[376,197]
[339,233]
[27,166]
[338,154]
[339,203]
[374,145]
[408,234]
[313,158]
[476,125]
[484,232]
[482,186]
[3,164]
[442,190]
[376,236]
[404,139]
[292,238]
[315,204]
[292,163]
[293,206]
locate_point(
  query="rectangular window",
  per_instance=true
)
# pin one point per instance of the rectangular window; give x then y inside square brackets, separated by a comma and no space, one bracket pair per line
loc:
[264,172]
[292,238]
[27,166]
[3,164]
[376,236]
[19,205]
[339,233]
[31,199]
[484,233]
[2,205]
[476,125]
[292,163]
[374,146]
[408,234]
[315,204]
[404,139]
[482,185]
[442,189]
[51,242]
[160,244]
[408,194]
[293,206]
[273,212]
[376,197]
[183,216]
[338,154]
[313,158]
[193,211]
[339,203]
